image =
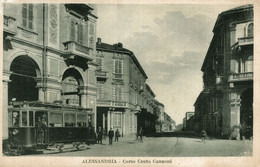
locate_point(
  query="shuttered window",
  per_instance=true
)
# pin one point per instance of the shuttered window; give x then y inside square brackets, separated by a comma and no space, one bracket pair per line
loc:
[76,32]
[80,34]
[118,93]
[27,16]
[72,30]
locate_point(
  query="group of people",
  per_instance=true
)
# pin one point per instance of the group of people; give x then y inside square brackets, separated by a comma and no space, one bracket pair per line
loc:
[111,135]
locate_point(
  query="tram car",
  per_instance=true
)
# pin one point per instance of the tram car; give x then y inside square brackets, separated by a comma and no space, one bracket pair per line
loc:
[36,125]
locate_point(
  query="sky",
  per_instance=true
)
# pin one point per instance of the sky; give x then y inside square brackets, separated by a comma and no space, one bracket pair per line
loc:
[169,40]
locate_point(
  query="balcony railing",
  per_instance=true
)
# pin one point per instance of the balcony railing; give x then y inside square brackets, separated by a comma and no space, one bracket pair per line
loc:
[245,41]
[118,76]
[76,47]
[241,77]
[101,74]
[111,103]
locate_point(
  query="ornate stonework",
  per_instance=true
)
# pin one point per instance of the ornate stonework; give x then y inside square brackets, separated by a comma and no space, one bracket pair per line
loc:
[53,24]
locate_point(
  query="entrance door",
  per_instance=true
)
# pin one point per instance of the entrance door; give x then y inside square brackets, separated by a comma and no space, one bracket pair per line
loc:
[246,113]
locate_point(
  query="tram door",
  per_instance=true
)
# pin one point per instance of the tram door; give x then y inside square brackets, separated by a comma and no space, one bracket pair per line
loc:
[41,125]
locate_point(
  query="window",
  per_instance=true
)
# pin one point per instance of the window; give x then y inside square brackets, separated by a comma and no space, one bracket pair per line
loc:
[76,32]
[118,94]
[27,16]
[250,30]
[118,68]
[70,119]
[117,119]
[82,120]
[100,91]
[16,118]
[56,119]
[31,122]
[24,118]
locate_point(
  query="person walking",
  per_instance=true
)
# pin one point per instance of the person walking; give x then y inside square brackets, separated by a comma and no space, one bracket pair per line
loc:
[111,135]
[204,136]
[141,134]
[99,134]
[117,135]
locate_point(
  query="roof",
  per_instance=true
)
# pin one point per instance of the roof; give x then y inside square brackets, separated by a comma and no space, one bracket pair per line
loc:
[119,49]
[231,11]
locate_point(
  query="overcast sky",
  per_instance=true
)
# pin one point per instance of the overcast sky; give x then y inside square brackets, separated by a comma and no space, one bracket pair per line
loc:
[170,42]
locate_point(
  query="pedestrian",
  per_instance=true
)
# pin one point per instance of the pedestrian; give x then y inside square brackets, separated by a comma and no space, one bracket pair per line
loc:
[104,133]
[141,134]
[99,134]
[204,136]
[117,135]
[111,135]
[40,130]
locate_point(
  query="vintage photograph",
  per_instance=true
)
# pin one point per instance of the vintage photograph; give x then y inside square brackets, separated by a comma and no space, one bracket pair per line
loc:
[127,80]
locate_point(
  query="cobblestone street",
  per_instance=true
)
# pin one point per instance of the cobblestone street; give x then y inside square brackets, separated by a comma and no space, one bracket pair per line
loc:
[164,147]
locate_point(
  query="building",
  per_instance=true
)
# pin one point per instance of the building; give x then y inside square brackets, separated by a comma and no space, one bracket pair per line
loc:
[124,100]
[189,121]
[49,56]
[160,115]
[226,101]
[168,124]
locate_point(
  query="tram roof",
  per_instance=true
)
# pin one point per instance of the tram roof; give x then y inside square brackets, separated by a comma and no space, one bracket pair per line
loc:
[39,105]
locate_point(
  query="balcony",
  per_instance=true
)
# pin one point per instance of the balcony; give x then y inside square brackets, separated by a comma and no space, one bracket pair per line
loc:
[73,48]
[241,77]
[101,74]
[245,41]
[109,103]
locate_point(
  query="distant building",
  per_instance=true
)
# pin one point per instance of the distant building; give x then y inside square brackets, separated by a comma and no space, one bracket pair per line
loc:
[124,100]
[226,101]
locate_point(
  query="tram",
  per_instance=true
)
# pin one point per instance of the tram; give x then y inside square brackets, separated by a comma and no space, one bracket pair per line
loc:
[36,125]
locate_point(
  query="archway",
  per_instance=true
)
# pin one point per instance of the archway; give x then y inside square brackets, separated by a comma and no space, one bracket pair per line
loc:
[71,80]
[246,113]
[23,79]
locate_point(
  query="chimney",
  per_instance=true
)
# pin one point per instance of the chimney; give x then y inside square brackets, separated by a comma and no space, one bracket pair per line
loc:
[99,41]
[120,45]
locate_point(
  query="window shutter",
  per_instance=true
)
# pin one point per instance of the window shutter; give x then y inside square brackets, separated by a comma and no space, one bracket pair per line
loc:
[122,67]
[30,17]
[122,94]
[114,66]
[80,34]
[113,93]
[24,15]
[72,30]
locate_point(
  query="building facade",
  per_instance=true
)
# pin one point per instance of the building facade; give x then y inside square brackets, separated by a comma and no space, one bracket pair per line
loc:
[49,56]
[226,101]
[124,100]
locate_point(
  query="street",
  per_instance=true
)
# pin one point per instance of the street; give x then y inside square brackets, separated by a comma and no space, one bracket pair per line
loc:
[164,147]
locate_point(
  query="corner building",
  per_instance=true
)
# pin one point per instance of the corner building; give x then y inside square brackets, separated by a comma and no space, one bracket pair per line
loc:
[48,56]
[124,101]
[226,101]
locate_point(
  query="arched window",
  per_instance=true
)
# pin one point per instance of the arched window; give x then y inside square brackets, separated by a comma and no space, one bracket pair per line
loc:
[250,30]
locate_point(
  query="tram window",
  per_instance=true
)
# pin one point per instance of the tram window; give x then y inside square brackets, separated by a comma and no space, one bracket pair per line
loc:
[16,117]
[24,118]
[30,118]
[82,120]
[70,119]
[55,120]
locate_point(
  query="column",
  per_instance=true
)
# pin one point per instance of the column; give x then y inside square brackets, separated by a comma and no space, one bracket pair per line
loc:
[5,108]
[123,133]
[83,100]
[108,120]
